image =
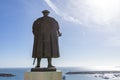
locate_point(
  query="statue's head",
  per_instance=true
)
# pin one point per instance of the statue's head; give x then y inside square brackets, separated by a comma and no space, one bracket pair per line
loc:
[45,12]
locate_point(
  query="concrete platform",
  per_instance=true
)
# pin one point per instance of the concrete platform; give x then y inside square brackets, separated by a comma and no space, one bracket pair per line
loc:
[52,75]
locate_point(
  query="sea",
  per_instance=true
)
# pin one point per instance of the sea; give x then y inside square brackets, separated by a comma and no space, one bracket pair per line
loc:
[19,72]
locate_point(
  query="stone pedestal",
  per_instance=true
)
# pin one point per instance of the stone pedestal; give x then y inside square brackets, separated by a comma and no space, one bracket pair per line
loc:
[48,75]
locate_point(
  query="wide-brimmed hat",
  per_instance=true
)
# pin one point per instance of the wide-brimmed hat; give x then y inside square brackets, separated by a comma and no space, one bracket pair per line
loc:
[45,11]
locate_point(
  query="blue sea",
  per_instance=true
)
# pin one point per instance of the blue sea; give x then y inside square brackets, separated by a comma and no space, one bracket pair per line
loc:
[19,72]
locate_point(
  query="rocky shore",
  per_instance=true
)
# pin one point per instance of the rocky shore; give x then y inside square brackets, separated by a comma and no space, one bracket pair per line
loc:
[6,75]
[92,72]
[99,74]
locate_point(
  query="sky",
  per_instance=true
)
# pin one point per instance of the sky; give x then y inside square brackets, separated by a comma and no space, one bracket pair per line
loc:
[90,32]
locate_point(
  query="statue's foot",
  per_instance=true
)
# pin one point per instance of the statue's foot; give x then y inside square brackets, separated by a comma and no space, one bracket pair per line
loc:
[51,67]
[37,66]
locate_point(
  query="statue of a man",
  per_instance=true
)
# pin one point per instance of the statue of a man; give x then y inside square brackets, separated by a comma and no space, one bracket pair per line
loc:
[46,33]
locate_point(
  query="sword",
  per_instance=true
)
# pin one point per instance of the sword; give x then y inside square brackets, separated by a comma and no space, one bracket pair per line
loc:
[34,61]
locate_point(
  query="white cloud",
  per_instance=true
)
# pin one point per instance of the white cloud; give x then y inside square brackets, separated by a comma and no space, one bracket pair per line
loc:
[113,41]
[98,15]
[62,14]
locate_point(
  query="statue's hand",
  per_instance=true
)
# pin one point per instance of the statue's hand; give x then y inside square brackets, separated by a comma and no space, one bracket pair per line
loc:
[60,34]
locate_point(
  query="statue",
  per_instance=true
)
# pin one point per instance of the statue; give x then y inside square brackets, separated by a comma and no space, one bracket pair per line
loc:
[46,33]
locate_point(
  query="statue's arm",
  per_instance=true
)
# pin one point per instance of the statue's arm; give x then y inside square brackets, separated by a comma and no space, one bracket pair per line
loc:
[34,28]
[58,32]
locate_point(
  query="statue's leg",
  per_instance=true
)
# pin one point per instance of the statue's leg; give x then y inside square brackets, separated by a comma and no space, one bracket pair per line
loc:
[38,62]
[50,63]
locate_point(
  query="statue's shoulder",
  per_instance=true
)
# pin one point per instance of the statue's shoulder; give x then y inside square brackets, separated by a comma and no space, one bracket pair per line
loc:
[52,19]
[38,19]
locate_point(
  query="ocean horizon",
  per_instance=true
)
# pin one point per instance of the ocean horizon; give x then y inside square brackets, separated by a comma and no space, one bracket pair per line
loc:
[19,74]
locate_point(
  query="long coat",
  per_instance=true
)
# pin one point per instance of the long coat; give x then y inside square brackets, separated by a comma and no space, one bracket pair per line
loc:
[45,30]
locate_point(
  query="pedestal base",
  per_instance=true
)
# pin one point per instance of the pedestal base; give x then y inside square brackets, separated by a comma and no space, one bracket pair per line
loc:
[55,75]
[42,69]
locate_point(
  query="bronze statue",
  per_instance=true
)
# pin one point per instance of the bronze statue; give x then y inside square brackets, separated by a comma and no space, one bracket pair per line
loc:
[46,33]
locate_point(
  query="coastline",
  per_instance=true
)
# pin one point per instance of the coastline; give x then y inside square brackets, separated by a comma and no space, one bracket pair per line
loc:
[6,75]
[92,72]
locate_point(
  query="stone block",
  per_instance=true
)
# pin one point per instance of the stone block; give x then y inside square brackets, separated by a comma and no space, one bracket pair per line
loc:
[52,75]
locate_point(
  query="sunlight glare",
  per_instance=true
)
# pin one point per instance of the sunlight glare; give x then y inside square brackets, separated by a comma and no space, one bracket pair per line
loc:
[104,10]
[105,68]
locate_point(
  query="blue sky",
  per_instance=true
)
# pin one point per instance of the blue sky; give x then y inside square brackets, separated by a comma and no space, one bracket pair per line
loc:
[90,31]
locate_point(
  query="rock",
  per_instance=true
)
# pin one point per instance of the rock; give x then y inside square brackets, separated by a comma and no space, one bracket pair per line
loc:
[105,77]
[6,75]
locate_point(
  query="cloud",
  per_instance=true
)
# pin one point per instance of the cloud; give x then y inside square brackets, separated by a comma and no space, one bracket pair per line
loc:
[62,14]
[113,41]
[96,15]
